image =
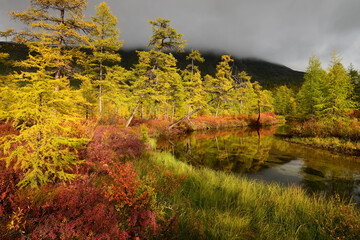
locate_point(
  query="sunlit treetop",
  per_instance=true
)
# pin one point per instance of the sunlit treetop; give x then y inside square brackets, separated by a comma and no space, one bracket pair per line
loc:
[165,37]
[58,18]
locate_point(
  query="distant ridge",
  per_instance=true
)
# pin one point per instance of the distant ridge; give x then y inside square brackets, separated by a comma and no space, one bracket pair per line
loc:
[268,74]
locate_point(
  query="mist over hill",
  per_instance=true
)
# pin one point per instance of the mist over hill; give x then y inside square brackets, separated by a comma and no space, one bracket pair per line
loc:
[268,74]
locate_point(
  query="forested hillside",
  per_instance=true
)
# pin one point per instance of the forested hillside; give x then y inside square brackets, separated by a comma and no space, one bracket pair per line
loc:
[269,75]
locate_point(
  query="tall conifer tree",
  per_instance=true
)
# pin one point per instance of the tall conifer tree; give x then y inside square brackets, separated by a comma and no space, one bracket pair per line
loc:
[106,42]
[45,148]
[311,96]
[193,81]
[339,87]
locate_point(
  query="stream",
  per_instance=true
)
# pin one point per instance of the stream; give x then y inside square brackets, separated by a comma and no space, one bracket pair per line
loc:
[263,156]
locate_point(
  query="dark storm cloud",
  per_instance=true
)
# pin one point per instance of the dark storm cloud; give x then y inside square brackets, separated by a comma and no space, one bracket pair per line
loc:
[283,31]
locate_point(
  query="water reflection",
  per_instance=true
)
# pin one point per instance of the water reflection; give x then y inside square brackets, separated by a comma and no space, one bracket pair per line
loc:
[260,155]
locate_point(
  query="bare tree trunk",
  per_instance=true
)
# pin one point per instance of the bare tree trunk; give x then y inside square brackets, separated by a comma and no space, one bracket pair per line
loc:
[217,144]
[132,114]
[100,90]
[173,113]
[241,103]
[155,110]
[258,119]
[166,113]
[196,110]
[217,108]
[189,114]
[142,110]
[150,112]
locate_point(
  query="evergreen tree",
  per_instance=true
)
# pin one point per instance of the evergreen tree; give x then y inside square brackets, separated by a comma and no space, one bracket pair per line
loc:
[193,81]
[165,37]
[106,44]
[43,104]
[264,101]
[61,23]
[158,68]
[223,81]
[244,93]
[355,79]
[311,96]
[339,87]
[282,100]
[45,148]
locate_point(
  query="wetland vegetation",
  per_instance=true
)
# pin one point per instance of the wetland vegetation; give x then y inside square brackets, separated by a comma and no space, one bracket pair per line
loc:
[90,149]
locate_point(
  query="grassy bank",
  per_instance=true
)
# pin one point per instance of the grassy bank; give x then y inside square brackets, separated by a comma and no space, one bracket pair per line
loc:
[330,143]
[216,205]
[335,134]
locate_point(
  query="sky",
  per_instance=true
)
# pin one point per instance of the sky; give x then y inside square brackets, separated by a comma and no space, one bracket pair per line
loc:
[286,32]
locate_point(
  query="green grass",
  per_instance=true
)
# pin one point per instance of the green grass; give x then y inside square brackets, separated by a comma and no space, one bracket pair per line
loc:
[216,205]
[330,143]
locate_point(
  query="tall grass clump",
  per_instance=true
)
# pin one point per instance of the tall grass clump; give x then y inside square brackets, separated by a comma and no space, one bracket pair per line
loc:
[217,205]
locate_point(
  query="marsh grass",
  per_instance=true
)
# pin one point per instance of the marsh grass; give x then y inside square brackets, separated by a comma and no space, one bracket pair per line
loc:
[217,205]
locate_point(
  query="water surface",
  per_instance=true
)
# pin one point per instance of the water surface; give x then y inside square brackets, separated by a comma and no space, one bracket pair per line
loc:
[261,155]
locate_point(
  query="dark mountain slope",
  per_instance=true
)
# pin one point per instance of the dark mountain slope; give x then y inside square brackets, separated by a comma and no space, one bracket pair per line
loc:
[269,75]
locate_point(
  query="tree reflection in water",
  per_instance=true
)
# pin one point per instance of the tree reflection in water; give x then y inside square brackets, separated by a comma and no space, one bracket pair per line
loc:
[262,156]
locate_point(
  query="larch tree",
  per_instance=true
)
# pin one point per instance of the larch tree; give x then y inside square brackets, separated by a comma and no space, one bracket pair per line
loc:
[223,81]
[264,101]
[355,79]
[5,86]
[311,97]
[106,43]
[164,38]
[282,100]
[44,105]
[244,92]
[339,88]
[61,22]
[193,81]
[141,84]
[45,148]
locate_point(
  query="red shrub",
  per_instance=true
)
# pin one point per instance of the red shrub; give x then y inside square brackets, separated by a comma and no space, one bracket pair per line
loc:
[110,145]
[9,198]
[7,129]
[79,211]
[133,201]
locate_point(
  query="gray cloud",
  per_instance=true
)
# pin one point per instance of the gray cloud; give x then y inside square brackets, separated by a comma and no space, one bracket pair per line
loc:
[282,31]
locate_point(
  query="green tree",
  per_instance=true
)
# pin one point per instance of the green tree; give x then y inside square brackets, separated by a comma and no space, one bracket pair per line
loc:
[158,68]
[355,79]
[339,88]
[223,81]
[244,93]
[106,44]
[264,101]
[61,23]
[311,96]
[45,148]
[282,100]
[165,37]
[193,81]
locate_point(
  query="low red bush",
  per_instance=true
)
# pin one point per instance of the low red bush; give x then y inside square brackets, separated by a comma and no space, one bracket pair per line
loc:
[76,211]
[111,145]
[133,200]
